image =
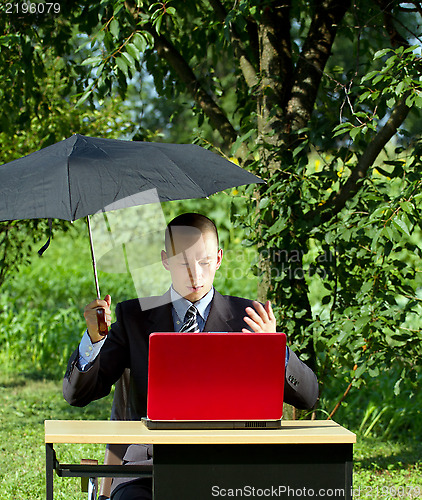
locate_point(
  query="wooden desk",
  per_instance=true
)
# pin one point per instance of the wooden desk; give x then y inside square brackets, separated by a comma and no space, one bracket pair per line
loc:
[303,458]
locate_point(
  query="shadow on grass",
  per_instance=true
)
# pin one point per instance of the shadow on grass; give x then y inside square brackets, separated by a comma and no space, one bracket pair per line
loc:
[10,380]
[32,398]
[375,454]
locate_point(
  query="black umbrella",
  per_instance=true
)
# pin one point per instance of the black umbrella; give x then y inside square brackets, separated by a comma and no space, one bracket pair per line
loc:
[83,175]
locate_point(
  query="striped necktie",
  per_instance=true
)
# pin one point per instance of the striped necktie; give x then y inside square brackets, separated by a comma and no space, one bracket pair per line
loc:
[190,325]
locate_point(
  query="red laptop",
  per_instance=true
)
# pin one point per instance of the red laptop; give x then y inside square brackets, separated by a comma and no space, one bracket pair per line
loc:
[215,380]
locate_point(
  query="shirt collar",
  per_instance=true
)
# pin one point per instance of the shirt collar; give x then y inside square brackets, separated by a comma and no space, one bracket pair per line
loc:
[181,305]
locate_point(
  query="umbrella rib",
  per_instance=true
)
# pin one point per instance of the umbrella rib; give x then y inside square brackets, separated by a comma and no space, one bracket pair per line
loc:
[68,187]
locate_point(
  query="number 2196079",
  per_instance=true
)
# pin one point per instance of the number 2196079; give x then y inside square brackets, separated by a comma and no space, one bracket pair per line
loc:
[32,8]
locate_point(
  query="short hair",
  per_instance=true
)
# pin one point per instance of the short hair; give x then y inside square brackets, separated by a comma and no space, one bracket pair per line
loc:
[190,219]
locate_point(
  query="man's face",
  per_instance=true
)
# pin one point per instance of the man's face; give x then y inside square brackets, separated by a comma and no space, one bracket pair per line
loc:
[194,263]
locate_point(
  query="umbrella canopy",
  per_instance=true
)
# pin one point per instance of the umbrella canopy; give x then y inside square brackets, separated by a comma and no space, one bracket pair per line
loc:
[83,175]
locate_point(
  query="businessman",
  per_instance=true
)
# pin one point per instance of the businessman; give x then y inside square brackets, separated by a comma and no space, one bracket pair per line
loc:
[192,256]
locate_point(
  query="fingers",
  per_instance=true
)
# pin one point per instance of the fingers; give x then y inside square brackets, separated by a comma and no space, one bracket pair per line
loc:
[99,303]
[260,318]
[90,315]
[257,314]
[269,310]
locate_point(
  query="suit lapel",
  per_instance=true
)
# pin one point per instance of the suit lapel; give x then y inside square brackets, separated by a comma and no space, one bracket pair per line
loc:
[160,318]
[219,316]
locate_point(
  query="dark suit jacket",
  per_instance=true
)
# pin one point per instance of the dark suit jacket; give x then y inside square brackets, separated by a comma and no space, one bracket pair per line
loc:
[126,346]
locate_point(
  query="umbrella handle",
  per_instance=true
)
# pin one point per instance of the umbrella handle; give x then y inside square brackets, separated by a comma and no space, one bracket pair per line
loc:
[102,324]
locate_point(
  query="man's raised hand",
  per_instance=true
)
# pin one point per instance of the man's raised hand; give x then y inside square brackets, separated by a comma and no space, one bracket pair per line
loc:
[90,315]
[261,319]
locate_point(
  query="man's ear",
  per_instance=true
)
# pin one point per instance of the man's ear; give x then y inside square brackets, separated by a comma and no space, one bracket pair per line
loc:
[219,258]
[164,260]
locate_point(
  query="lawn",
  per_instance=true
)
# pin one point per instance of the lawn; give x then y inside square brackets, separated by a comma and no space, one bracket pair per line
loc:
[382,469]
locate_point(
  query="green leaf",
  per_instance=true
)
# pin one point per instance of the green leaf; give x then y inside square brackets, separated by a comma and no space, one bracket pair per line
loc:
[368,76]
[114,28]
[360,370]
[364,96]
[391,102]
[374,372]
[83,97]
[241,140]
[342,128]
[401,225]
[122,65]
[129,59]
[407,206]
[278,226]
[264,202]
[410,100]
[399,88]
[117,8]
[390,62]
[140,42]
[375,239]
[133,51]
[381,53]
[157,23]
[378,78]
[354,132]
[91,61]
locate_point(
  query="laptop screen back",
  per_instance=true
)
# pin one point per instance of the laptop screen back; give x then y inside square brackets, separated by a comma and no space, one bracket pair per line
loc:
[216,376]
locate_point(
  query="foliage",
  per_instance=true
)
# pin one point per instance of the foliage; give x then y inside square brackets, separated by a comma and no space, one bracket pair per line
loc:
[376,411]
[316,97]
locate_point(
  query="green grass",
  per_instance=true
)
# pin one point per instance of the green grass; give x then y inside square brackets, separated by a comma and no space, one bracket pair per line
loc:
[24,405]
[25,402]
[387,469]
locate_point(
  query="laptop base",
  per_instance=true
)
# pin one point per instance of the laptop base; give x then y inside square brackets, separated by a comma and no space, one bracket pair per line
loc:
[210,424]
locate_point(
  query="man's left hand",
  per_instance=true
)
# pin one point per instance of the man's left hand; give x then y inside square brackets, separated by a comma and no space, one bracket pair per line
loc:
[261,319]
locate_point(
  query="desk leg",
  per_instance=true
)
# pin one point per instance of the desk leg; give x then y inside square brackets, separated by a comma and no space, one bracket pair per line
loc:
[50,458]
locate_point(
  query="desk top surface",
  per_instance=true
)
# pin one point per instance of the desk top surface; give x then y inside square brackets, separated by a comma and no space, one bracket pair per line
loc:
[134,432]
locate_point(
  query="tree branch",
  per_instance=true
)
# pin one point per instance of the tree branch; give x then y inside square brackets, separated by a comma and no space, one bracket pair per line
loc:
[246,66]
[218,119]
[338,200]
[313,58]
[396,38]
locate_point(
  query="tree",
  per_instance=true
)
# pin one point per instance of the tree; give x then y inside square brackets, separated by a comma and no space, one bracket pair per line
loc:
[315,97]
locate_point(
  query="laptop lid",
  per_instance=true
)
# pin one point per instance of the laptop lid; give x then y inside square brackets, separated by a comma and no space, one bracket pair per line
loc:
[216,376]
